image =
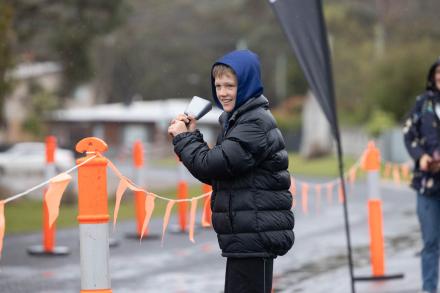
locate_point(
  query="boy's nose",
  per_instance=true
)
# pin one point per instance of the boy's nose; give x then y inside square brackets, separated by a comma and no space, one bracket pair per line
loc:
[222,91]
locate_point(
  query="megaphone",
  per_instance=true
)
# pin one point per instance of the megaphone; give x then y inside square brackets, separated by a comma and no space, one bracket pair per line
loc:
[198,107]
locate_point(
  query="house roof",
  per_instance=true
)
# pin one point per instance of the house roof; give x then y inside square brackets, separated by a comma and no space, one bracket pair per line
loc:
[37,69]
[139,111]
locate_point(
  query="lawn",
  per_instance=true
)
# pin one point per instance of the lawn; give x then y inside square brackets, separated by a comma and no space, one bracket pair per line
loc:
[26,215]
[320,167]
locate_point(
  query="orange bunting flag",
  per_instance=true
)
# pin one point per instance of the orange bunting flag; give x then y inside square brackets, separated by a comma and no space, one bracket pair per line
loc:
[387,171]
[341,193]
[122,187]
[166,218]
[292,185]
[396,174]
[192,219]
[352,175]
[206,215]
[2,225]
[318,197]
[304,197]
[54,193]
[149,207]
[330,193]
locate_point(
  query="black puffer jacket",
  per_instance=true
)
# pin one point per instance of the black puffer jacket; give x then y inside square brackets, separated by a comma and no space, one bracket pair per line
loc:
[247,169]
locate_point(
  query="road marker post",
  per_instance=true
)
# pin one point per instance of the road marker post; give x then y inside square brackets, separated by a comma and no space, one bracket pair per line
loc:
[48,247]
[93,217]
[371,164]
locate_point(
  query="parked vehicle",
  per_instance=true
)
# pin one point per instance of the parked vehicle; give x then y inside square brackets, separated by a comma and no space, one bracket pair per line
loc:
[28,159]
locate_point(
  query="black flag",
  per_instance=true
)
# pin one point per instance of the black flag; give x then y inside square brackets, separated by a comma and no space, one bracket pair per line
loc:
[304,26]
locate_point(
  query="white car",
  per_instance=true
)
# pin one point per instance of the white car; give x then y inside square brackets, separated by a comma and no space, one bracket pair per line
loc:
[28,159]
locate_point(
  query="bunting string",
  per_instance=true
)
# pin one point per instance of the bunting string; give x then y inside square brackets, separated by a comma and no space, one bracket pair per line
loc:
[137,188]
[58,184]
[14,197]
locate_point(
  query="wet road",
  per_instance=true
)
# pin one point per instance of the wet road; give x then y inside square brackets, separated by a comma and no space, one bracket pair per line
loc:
[317,263]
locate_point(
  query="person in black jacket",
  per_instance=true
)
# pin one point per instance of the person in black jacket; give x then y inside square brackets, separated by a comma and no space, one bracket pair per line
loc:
[422,140]
[247,168]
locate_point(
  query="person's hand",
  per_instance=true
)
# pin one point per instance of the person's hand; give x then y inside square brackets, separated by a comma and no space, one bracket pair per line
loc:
[424,162]
[190,121]
[177,127]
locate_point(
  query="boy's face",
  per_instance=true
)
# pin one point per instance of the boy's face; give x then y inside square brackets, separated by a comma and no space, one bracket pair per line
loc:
[226,89]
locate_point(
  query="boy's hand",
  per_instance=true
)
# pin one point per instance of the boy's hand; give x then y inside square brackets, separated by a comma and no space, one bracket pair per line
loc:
[424,162]
[190,121]
[177,127]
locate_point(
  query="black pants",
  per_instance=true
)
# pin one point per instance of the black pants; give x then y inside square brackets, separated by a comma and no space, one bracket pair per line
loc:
[249,275]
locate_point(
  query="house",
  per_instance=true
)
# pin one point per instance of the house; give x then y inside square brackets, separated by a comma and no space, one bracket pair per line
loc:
[46,75]
[119,125]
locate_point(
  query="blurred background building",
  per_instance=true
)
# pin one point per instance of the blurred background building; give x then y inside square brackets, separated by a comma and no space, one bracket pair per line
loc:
[62,56]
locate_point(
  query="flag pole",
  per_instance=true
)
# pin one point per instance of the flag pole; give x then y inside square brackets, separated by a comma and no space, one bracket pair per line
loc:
[346,220]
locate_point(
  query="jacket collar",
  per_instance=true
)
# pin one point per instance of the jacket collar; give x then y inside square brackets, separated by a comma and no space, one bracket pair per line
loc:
[260,101]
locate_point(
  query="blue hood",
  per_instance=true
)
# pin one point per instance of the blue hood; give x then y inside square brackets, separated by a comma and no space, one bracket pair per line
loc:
[246,66]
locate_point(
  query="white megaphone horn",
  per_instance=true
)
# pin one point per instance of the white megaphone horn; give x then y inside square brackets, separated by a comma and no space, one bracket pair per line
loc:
[198,107]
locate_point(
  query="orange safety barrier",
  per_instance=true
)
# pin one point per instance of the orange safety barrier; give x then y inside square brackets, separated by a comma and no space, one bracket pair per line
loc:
[371,164]
[49,232]
[376,234]
[93,216]
[207,213]
[305,197]
[182,193]
[139,196]
[92,192]
[48,247]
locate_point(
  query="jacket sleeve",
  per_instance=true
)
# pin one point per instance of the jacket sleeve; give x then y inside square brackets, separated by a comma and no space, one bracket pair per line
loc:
[237,154]
[411,131]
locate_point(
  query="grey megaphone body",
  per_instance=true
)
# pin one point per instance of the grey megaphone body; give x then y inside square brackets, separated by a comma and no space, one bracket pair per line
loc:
[198,107]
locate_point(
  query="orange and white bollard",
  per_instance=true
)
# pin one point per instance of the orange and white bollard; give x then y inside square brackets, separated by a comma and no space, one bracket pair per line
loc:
[48,247]
[182,193]
[371,164]
[139,196]
[139,179]
[93,217]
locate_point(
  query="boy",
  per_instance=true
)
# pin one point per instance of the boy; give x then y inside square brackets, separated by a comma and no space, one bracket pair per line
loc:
[247,168]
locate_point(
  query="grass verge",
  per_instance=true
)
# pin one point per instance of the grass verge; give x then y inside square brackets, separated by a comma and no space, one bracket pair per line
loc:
[319,167]
[26,215]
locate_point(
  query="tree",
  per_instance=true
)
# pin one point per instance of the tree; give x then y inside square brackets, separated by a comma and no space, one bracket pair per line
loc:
[64,30]
[166,48]
[5,50]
